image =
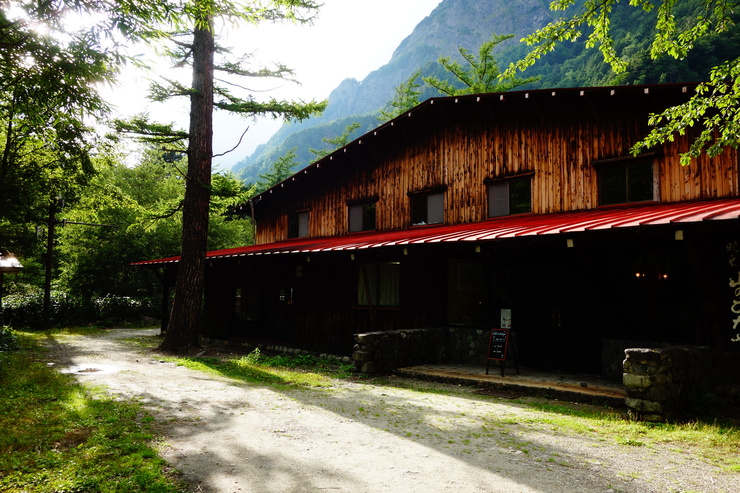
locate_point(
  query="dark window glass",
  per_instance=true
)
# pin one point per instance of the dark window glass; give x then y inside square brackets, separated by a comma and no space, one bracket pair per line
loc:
[427,208]
[510,197]
[520,196]
[298,224]
[631,181]
[362,217]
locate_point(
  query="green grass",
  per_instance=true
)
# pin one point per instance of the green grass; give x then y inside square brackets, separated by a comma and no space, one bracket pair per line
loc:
[60,436]
[280,370]
[715,441]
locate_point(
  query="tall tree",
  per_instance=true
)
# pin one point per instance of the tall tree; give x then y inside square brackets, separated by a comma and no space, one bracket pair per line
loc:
[185,318]
[200,16]
[481,75]
[713,112]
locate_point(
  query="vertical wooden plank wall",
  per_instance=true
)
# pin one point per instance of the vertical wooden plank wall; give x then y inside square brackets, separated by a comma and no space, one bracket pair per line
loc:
[462,146]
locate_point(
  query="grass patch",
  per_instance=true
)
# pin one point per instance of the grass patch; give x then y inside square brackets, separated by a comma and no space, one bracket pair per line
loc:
[715,442]
[280,370]
[60,436]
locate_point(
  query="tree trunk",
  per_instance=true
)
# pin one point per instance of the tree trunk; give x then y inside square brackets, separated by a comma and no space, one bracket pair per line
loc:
[183,327]
[49,264]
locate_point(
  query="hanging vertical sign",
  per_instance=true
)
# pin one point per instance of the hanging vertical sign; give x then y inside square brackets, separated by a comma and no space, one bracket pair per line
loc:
[506,318]
[732,250]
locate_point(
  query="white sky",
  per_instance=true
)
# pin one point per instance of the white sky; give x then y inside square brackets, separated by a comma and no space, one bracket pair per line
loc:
[349,39]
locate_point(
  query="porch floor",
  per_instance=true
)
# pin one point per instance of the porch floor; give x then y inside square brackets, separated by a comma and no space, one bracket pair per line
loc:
[590,389]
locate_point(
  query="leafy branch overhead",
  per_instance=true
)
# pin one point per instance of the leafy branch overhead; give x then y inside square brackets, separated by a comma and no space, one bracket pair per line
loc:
[713,113]
[407,96]
[482,75]
[146,131]
[225,97]
[336,142]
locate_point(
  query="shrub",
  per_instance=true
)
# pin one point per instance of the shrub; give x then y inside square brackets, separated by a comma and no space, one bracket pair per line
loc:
[8,342]
[8,339]
[26,310]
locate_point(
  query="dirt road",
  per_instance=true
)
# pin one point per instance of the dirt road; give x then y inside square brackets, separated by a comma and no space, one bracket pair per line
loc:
[227,436]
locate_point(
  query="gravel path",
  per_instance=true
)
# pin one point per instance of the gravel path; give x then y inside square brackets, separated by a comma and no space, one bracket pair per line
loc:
[227,436]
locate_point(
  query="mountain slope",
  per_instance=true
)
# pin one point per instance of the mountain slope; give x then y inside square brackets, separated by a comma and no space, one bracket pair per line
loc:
[468,24]
[453,23]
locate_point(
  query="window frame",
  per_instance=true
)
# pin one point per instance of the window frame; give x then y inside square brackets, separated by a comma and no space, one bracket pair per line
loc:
[298,224]
[504,200]
[431,202]
[628,183]
[368,221]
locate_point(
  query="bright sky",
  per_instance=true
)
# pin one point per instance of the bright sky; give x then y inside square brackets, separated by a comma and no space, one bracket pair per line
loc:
[349,39]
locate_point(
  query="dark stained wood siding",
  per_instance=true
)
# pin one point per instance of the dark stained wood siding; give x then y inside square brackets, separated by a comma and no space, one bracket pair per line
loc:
[458,145]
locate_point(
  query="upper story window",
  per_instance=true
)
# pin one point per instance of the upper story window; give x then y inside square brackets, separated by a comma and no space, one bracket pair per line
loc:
[427,207]
[510,196]
[298,224]
[626,180]
[362,217]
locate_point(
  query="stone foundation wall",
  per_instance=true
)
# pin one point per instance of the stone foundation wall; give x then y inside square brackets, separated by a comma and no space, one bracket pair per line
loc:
[612,354]
[379,352]
[662,383]
[468,345]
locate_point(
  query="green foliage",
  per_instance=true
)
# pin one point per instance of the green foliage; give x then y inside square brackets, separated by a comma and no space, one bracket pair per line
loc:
[324,365]
[144,203]
[58,436]
[8,339]
[48,98]
[715,111]
[482,75]
[281,169]
[407,96]
[336,142]
[680,26]
[25,311]
[257,367]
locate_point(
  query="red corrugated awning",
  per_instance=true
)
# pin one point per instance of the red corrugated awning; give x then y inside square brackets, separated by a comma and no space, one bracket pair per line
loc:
[498,229]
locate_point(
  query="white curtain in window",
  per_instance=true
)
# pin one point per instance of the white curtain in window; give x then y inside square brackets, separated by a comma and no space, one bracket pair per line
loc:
[389,274]
[382,281]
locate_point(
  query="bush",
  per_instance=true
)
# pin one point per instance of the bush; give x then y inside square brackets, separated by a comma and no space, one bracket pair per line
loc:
[111,309]
[8,342]
[26,310]
[8,339]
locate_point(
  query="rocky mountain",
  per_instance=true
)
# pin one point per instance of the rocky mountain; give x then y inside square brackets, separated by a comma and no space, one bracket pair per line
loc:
[453,23]
[468,24]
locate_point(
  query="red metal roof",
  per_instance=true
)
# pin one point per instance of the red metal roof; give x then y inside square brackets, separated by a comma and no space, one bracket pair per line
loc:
[498,229]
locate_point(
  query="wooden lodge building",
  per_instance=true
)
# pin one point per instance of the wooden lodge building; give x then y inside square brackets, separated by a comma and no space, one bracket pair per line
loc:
[468,212]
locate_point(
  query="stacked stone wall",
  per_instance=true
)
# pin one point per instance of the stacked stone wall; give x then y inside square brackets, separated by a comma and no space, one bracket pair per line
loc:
[665,383]
[379,352]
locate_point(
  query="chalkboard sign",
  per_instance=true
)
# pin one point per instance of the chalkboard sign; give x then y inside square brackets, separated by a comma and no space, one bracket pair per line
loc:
[498,343]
